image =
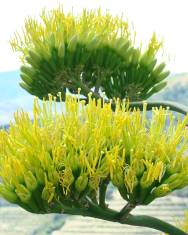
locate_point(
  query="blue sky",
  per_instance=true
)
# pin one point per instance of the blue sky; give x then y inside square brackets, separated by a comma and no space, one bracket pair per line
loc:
[12,96]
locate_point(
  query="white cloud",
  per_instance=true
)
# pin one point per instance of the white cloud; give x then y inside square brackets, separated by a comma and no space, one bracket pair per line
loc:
[168,18]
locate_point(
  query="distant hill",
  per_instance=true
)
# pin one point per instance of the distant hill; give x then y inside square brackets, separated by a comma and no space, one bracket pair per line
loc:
[176,90]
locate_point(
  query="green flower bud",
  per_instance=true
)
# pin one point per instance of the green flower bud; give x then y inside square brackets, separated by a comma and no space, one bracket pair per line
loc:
[175,181]
[159,69]
[175,184]
[61,50]
[94,43]
[48,192]
[8,194]
[117,179]
[30,181]
[184,182]
[40,176]
[81,183]
[94,182]
[144,182]
[173,169]
[139,168]
[23,193]
[171,178]
[161,190]
[52,40]
[136,56]
[53,176]
[130,180]
[66,179]
[72,43]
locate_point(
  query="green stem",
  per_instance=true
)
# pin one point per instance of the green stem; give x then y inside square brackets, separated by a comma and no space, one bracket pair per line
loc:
[141,221]
[165,104]
[136,220]
[84,89]
[151,222]
[102,193]
[173,106]
[124,213]
[101,213]
[95,211]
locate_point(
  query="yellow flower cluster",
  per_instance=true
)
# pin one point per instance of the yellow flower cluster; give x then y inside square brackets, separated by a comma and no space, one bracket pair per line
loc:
[57,28]
[64,156]
[93,51]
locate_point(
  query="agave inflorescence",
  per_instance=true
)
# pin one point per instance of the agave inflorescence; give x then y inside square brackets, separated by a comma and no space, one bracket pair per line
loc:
[60,160]
[93,51]
[63,162]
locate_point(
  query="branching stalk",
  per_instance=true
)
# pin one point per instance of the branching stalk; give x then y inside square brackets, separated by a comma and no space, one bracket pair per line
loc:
[102,193]
[173,106]
[124,213]
[96,211]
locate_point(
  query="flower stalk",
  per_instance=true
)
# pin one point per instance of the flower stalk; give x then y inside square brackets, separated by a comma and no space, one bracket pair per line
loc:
[134,220]
[102,193]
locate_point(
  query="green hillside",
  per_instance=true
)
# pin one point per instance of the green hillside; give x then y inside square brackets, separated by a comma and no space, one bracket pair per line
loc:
[176,90]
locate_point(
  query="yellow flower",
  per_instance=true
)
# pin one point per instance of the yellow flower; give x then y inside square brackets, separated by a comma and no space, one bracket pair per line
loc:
[60,49]
[61,154]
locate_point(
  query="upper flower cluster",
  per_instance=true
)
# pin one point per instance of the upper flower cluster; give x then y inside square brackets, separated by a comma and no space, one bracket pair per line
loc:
[60,158]
[93,51]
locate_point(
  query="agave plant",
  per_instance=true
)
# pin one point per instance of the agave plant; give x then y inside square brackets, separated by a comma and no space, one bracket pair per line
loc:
[62,162]
[93,51]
